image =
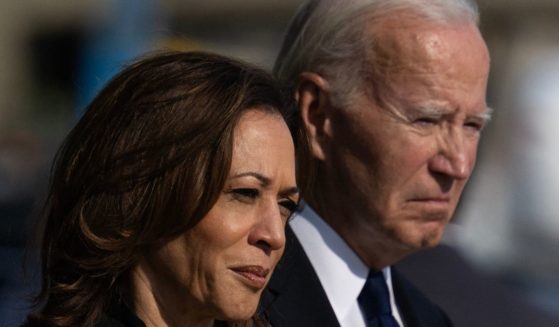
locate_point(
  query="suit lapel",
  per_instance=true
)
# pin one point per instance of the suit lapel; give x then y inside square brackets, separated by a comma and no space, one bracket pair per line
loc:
[417,310]
[294,296]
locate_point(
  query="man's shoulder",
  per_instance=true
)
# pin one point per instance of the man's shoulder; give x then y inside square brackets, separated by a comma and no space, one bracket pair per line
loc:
[295,296]
[417,309]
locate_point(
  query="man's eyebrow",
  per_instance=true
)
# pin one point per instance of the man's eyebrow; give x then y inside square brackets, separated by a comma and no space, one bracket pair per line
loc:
[431,111]
[486,116]
[439,111]
[265,181]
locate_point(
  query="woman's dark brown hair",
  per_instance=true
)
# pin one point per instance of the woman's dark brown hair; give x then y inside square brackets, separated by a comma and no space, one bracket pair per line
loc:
[146,162]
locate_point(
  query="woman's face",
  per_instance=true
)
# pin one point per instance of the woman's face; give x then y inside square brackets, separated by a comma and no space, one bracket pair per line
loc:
[218,268]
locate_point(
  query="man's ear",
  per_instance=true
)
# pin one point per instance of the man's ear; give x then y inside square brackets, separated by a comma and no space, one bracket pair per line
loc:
[312,96]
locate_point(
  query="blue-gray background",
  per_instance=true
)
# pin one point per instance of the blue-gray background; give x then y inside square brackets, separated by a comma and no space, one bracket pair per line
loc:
[55,55]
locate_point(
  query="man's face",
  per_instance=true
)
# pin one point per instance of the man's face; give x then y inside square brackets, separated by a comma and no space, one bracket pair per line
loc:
[401,152]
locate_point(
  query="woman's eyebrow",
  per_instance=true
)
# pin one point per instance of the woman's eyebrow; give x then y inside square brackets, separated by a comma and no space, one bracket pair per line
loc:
[265,181]
[289,191]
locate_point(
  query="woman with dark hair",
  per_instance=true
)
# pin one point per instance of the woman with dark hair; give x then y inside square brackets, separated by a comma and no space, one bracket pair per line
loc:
[168,200]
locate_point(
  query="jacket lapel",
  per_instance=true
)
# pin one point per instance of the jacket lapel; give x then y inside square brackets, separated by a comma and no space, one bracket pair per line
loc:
[294,296]
[417,310]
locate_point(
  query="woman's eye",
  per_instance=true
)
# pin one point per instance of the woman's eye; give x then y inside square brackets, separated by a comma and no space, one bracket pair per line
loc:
[245,194]
[288,207]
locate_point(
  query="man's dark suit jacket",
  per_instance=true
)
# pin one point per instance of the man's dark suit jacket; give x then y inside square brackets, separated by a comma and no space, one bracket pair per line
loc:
[295,297]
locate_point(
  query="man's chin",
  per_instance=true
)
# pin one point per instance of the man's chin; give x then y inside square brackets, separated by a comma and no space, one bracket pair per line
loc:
[431,238]
[425,237]
[430,241]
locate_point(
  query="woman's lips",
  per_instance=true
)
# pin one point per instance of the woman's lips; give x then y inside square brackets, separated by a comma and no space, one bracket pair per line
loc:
[253,276]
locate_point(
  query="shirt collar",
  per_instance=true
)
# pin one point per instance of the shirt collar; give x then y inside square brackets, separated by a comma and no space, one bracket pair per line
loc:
[340,271]
[333,261]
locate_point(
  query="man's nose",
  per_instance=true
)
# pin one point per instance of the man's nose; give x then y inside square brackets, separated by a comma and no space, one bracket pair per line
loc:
[453,158]
[268,232]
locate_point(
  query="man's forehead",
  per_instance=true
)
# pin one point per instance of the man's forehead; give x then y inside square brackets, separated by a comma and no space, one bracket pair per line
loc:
[409,33]
[427,47]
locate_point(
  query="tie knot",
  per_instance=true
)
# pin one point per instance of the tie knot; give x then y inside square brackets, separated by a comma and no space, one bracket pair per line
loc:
[374,298]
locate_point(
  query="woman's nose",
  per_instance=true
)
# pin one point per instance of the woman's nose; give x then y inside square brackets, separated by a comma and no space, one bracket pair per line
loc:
[268,232]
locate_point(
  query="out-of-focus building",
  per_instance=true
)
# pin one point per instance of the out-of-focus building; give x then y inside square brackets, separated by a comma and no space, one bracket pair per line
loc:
[510,218]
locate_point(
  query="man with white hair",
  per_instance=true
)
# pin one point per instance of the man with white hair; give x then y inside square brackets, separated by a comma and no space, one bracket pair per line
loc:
[392,94]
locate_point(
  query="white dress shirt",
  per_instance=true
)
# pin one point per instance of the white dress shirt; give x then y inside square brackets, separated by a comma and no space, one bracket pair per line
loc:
[340,271]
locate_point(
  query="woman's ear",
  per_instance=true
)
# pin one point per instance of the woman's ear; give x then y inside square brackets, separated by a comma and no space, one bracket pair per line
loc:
[312,97]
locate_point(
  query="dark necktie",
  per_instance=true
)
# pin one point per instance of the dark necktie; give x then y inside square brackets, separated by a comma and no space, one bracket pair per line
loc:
[375,302]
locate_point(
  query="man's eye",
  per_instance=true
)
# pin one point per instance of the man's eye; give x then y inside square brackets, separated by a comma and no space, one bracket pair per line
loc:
[426,121]
[245,194]
[475,126]
[287,207]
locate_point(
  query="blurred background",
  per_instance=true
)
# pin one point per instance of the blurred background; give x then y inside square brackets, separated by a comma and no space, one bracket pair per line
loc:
[497,261]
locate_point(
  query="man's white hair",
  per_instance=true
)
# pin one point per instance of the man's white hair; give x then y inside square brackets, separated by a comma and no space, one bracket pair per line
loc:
[329,37]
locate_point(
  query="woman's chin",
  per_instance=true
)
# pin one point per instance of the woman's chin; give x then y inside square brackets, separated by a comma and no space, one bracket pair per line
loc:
[239,310]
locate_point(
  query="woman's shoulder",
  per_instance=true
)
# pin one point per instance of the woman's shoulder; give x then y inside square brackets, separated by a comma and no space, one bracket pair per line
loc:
[120,316]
